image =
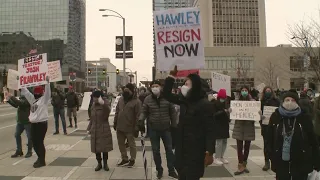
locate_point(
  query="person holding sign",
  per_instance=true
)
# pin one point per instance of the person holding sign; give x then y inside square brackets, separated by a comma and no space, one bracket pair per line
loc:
[244,133]
[269,103]
[195,143]
[292,142]
[38,117]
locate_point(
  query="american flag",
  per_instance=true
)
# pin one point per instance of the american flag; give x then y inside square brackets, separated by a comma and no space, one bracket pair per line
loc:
[33,51]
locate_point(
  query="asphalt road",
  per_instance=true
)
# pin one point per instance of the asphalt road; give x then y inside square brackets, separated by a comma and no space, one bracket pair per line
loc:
[8,124]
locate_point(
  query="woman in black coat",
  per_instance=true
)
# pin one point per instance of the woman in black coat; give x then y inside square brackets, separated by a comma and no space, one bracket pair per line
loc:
[195,142]
[292,143]
[268,98]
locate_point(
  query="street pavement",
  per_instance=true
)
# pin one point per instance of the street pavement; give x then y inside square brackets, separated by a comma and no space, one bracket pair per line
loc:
[69,157]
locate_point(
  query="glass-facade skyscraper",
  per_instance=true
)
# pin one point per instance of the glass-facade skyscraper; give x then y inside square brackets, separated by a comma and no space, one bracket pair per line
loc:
[55,27]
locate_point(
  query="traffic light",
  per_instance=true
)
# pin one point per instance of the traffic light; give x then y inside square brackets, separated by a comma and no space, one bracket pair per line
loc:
[89,71]
[104,71]
[117,71]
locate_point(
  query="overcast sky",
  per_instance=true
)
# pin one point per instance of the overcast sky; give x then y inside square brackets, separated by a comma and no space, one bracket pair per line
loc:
[101,32]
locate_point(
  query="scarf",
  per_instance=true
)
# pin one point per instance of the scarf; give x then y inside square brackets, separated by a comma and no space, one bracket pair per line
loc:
[286,113]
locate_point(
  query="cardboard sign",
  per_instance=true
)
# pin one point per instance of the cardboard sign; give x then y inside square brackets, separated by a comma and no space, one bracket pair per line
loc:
[12,79]
[114,106]
[178,39]
[267,111]
[33,71]
[86,101]
[221,81]
[245,110]
[54,70]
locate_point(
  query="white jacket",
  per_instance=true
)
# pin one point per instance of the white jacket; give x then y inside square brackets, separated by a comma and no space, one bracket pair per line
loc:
[39,107]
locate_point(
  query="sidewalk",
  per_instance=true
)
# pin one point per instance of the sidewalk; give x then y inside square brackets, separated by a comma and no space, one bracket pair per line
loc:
[69,158]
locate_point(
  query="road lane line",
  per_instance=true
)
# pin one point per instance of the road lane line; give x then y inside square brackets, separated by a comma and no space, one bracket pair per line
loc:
[7,114]
[16,123]
[70,173]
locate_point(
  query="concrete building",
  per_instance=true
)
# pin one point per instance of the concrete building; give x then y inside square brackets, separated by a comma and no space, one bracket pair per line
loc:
[101,74]
[233,22]
[279,67]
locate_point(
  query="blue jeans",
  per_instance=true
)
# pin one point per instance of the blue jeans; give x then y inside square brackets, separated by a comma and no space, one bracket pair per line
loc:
[19,130]
[155,143]
[56,113]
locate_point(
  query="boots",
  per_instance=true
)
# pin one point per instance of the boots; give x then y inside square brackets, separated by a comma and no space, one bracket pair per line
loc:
[245,167]
[17,154]
[266,166]
[241,169]
[29,153]
[75,122]
[105,165]
[99,166]
[70,121]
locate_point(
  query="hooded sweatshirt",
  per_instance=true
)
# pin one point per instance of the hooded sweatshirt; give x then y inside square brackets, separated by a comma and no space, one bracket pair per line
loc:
[39,107]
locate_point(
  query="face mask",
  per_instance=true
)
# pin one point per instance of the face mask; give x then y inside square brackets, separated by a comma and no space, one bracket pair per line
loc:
[244,93]
[267,94]
[290,105]
[222,100]
[184,90]
[155,91]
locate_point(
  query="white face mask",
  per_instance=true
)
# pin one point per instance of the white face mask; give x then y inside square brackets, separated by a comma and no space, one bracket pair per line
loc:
[184,90]
[155,91]
[290,105]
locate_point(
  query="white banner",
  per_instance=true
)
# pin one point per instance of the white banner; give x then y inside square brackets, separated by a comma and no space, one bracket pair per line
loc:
[54,70]
[267,111]
[33,70]
[178,39]
[114,106]
[12,79]
[245,110]
[221,81]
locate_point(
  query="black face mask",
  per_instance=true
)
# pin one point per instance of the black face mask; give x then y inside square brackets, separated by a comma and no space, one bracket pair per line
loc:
[37,96]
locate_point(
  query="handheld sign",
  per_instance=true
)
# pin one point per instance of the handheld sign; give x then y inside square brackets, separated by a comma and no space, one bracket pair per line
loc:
[86,100]
[267,111]
[54,71]
[220,81]
[12,81]
[245,110]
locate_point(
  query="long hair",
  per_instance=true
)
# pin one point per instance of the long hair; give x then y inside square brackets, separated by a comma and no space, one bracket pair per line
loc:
[273,95]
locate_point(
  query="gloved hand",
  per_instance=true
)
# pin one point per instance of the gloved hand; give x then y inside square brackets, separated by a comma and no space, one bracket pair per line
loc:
[208,159]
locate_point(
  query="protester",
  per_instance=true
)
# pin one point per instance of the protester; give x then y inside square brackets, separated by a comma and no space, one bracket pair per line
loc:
[99,128]
[195,143]
[221,125]
[23,123]
[125,123]
[58,110]
[73,106]
[292,142]
[161,116]
[244,133]
[306,104]
[268,98]
[38,117]
[316,120]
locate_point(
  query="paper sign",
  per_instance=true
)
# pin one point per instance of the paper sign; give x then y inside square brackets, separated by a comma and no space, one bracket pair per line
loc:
[114,105]
[267,111]
[245,110]
[178,39]
[185,73]
[12,79]
[33,71]
[85,101]
[220,81]
[54,70]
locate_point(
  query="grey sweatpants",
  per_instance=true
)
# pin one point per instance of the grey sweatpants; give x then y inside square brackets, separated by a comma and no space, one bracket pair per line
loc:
[221,146]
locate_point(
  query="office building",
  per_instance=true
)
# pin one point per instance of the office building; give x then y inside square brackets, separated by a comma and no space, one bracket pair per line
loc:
[53,27]
[101,74]
[233,22]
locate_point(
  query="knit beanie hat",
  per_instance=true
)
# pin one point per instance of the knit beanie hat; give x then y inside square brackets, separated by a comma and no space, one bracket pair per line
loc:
[97,94]
[38,90]
[292,95]
[222,94]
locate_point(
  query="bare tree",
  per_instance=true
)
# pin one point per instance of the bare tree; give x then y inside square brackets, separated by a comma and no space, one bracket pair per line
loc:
[269,73]
[242,68]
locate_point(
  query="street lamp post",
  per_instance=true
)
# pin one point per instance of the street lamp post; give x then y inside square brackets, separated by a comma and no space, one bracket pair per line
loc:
[123,39]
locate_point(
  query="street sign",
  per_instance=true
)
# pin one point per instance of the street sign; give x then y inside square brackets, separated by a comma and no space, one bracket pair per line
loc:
[120,55]
[129,43]
[72,76]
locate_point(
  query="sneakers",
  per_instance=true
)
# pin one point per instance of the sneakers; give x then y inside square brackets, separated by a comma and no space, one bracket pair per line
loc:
[224,161]
[218,161]
[173,174]
[159,174]
[123,162]
[130,164]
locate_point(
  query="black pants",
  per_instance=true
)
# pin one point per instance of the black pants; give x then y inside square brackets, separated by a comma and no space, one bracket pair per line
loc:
[104,156]
[289,177]
[188,177]
[264,135]
[38,133]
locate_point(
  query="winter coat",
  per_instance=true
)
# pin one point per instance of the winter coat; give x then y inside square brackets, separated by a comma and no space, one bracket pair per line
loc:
[57,101]
[195,134]
[316,120]
[304,146]
[99,128]
[23,109]
[127,115]
[305,105]
[221,120]
[72,100]
[244,130]
[160,113]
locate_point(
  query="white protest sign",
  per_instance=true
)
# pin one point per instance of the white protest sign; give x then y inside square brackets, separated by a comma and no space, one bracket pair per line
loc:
[12,79]
[220,81]
[54,71]
[260,87]
[33,71]
[86,101]
[245,110]
[267,111]
[114,105]
[178,39]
